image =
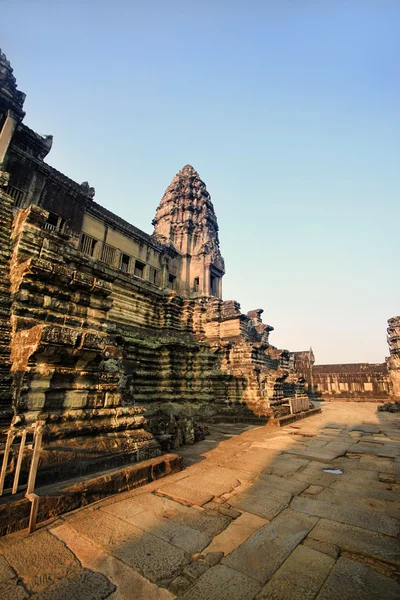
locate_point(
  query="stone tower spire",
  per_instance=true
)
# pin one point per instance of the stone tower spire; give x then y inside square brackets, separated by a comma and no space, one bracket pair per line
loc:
[186,218]
[11,104]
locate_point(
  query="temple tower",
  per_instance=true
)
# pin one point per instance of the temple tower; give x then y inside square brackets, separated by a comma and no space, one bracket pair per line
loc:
[186,219]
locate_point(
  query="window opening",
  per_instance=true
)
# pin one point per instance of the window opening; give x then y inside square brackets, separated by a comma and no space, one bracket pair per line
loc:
[108,255]
[87,244]
[153,275]
[139,269]
[171,281]
[125,260]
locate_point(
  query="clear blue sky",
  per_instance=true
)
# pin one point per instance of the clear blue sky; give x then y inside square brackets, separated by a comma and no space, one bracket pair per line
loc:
[288,109]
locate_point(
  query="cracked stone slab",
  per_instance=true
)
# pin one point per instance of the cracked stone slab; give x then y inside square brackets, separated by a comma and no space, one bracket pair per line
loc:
[39,559]
[350,579]
[263,552]
[255,461]
[366,519]
[287,465]
[82,584]
[210,525]
[236,533]
[153,557]
[222,583]
[201,488]
[123,577]
[300,576]
[12,590]
[280,483]
[364,502]
[262,501]
[174,533]
[357,540]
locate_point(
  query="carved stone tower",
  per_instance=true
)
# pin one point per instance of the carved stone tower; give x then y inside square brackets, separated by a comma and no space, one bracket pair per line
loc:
[186,219]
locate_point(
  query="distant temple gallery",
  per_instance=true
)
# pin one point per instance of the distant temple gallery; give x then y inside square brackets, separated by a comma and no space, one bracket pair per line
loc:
[119,341]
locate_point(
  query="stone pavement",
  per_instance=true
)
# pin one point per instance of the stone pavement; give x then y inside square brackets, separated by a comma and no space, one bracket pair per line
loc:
[307,511]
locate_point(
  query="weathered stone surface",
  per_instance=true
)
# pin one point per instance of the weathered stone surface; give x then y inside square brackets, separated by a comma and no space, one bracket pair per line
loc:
[335,496]
[118,573]
[39,560]
[349,579]
[287,465]
[222,583]
[236,533]
[195,569]
[345,514]
[82,584]
[324,547]
[280,483]
[357,540]
[199,489]
[263,553]
[212,558]
[11,590]
[262,501]
[179,535]
[180,584]
[150,555]
[300,576]
[209,524]
[6,571]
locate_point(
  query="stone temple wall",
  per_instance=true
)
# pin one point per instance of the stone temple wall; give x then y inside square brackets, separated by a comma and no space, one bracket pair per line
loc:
[361,381]
[6,217]
[393,338]
[118,369]
[116,341]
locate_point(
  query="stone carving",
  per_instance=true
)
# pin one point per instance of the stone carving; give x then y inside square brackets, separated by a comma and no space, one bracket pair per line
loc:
[186,218]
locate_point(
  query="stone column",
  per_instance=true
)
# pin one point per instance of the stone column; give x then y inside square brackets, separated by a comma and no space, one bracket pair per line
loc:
[7,133]
[207,281]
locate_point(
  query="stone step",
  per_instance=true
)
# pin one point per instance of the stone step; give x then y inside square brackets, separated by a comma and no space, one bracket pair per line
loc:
[69,495]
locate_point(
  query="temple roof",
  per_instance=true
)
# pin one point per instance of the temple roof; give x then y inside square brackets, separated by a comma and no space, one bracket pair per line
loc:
[186,210]
[9,95]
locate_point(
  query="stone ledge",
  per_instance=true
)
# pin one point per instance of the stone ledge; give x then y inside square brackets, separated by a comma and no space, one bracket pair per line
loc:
[287,419]
[58,499]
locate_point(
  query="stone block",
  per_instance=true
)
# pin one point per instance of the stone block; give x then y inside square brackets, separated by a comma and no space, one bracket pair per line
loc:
[179,535]
[40,559]
[236,533]
[300,576]
[210,525]
[123,577]
[212,558]
[262,501]
[347,514]
[324,547]
[357,540]
[356,581]
[222,583]
[82,584]
[12,590]
[151,556]
[292,486]
[263,552]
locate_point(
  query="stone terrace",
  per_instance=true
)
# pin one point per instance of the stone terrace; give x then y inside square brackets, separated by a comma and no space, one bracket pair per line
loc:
[254,515]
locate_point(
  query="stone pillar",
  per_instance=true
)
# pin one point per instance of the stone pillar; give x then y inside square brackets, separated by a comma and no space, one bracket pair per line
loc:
[220,287]
[207,281]
[7,133]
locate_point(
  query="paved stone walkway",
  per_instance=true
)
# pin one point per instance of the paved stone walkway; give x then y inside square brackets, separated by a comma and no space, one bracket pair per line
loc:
[307,511]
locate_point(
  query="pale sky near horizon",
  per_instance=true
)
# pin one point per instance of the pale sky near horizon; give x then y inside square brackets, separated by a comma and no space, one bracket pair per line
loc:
[288,109]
